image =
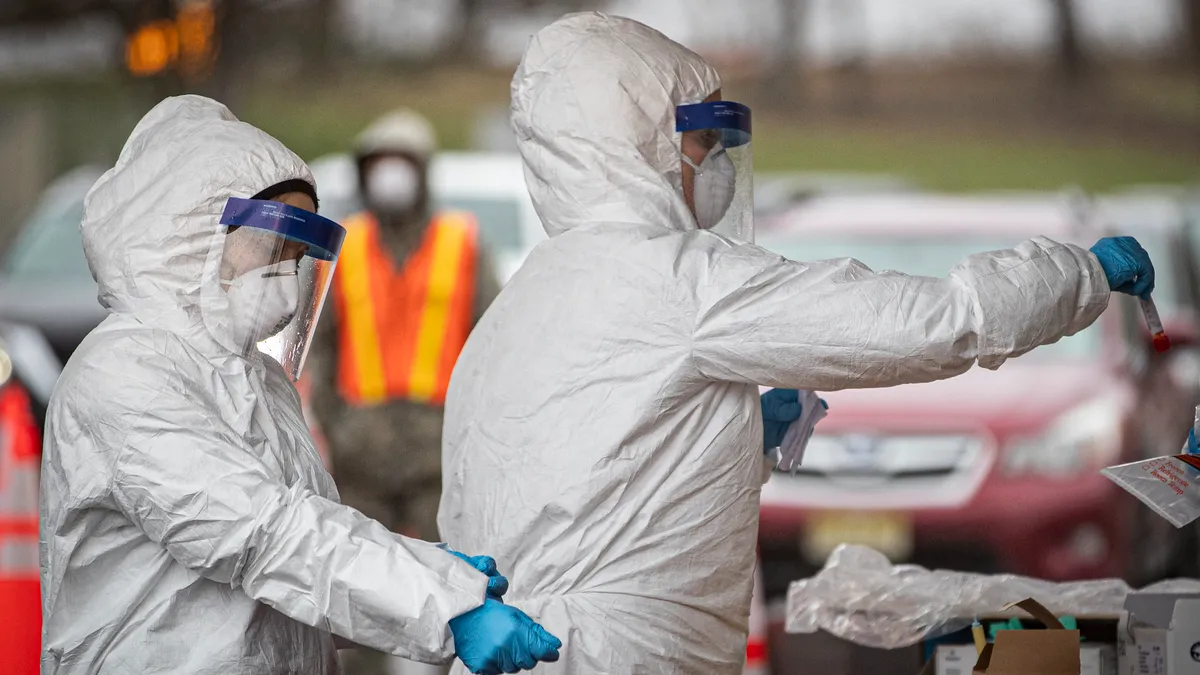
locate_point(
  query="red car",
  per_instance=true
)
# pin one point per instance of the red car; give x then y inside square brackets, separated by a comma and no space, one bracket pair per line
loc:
[992,471]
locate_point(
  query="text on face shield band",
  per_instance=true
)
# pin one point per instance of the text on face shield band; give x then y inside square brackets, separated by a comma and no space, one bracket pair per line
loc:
[732,119]
[323,236]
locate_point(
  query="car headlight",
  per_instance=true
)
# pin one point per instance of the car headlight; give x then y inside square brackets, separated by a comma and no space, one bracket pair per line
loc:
[1084,438]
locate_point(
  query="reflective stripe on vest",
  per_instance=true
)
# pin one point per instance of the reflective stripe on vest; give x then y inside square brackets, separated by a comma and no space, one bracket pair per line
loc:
[18,486]
[400,331]
[19,557]
[20,598]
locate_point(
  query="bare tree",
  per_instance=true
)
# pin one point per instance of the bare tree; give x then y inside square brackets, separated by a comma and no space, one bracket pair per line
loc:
[1191,21]
[783,82]
[473,14]
[854,90]
[463,46]
[324,44]
[1070,57]
[25,12]
[246,30]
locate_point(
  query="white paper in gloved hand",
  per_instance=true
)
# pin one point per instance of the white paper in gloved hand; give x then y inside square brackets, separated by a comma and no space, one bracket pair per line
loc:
[812,410]
[770,461]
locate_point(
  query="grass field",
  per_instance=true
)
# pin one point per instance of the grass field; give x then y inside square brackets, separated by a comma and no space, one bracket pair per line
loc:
[314,118]
[967,163]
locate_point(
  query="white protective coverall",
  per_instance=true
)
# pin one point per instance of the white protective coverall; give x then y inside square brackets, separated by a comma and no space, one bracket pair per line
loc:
[603,437]
[187,524]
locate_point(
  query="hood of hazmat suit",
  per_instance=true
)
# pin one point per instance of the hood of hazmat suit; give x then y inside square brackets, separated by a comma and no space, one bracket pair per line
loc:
[187,525]
[603,437]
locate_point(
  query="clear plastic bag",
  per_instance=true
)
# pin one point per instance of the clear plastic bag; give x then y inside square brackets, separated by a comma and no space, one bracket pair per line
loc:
[861,597]
[1169,485]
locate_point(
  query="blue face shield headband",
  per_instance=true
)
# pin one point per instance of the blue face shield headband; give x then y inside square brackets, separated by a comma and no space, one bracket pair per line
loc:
[730,120]
[322,236]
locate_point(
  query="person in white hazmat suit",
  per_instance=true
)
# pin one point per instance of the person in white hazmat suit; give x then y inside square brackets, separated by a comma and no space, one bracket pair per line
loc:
[603,430]
[187,524]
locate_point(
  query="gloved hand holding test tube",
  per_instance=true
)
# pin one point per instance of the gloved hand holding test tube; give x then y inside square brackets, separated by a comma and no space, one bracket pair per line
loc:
[1158,336]
[1129,270]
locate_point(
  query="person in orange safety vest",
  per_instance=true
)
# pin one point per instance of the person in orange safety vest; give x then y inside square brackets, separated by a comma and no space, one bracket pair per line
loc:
[409,286]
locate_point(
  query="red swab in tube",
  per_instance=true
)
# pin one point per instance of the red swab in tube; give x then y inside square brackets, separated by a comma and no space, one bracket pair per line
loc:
[1158,337]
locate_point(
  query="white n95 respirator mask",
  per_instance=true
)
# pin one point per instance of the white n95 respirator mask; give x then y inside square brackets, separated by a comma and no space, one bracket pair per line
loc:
[393,184]
[713,188]
[262,301]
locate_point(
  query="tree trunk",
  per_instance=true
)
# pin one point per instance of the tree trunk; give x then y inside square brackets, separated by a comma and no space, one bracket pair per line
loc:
[783,82]
[323,50]
[1071,60]
[854,88]
[231,33]
[1191,22]
[463,47]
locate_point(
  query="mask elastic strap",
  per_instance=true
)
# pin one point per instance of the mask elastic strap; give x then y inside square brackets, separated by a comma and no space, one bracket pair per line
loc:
[237,281]
[715,149]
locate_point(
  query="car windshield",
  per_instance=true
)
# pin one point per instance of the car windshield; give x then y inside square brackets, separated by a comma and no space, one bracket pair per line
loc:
[922,257]
[49,246]
[499,219]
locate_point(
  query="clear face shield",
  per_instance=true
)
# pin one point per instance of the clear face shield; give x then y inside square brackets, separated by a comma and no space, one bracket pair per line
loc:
[718,132]
[276,266]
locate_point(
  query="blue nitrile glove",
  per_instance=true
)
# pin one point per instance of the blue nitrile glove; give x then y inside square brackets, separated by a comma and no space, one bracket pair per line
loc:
[1192,448]
[1126,264]
[497,638]
[780,407]
[497,583]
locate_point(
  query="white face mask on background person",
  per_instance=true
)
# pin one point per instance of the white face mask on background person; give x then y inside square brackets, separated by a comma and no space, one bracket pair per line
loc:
[393,185]
[262,301]
[713,186]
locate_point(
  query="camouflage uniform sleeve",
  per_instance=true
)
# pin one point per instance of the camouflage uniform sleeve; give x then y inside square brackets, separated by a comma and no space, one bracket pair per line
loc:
[321,368]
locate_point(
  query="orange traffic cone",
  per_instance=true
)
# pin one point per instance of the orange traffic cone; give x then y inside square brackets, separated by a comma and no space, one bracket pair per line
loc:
[756,646]
[20,597]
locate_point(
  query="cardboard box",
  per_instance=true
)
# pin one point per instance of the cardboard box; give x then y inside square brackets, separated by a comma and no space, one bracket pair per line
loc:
[1052,651]
[1094,659]
[1097,659]
[1164,634]
[1183,638]
[1147,652]
[954,659]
